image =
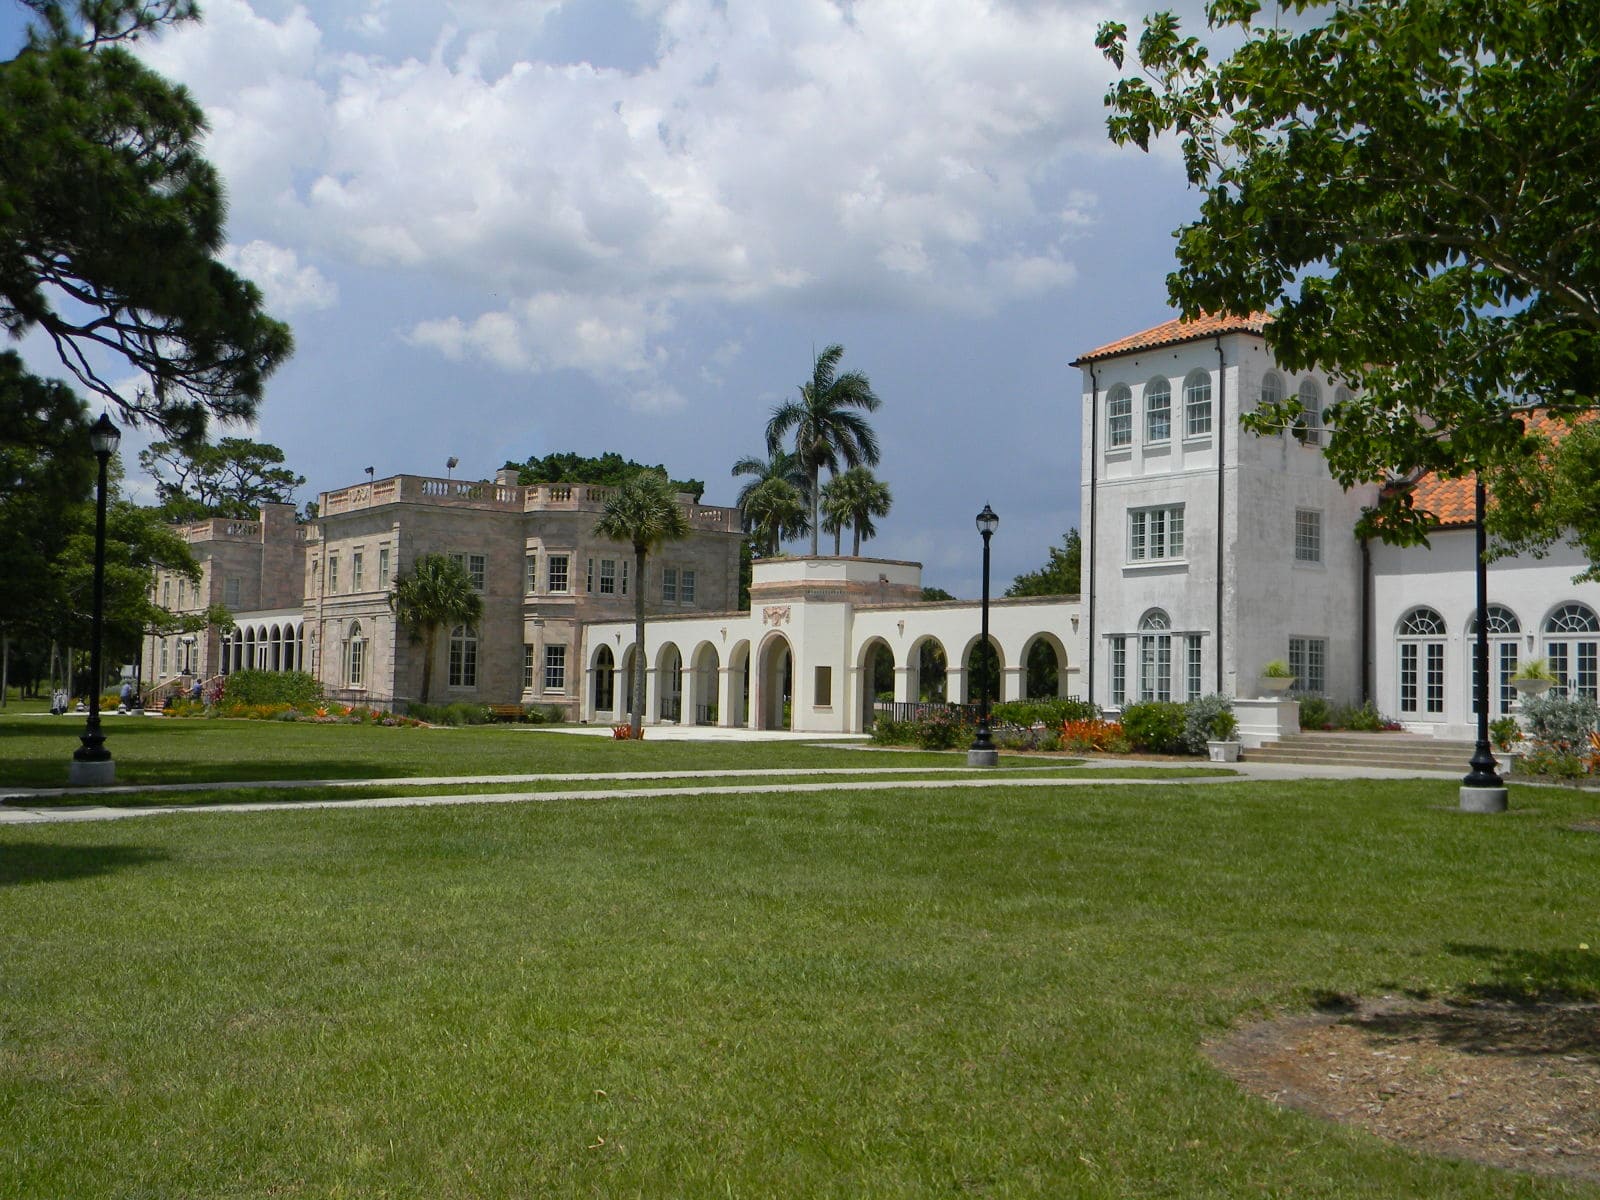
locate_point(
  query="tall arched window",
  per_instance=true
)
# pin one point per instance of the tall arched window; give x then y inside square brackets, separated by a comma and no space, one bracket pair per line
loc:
[1310,412]
[1421,636]
[1503,655]
[1119,417]
[1155,656]
[356,657]
[605,680]
[1571,647]
[463,657]
[1197,404]
[1157,411]
[1271,391]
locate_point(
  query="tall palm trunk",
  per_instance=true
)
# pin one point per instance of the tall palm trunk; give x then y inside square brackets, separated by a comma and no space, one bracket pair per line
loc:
[855,544]
[430,639]
[636,720]
[816,508]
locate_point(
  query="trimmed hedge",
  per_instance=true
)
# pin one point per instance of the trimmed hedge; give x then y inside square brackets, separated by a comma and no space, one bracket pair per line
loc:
[1055,711]
[271,687]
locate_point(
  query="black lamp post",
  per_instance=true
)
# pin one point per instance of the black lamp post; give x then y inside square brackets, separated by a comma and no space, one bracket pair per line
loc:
[982,752]
[1482,790]
[91,762]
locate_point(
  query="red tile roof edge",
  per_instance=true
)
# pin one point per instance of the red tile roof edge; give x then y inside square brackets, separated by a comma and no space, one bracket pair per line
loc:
[1175,332]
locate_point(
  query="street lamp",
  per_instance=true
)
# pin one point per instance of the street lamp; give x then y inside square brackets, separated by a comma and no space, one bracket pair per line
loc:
[91,762]
[1482,790]
[982,753]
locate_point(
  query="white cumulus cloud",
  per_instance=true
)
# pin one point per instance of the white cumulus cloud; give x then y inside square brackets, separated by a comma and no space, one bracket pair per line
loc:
[287,286]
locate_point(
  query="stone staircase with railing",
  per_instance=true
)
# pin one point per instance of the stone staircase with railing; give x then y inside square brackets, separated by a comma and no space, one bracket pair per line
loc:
[1396,751]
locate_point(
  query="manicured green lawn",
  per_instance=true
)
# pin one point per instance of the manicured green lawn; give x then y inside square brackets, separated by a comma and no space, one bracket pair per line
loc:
[909,993]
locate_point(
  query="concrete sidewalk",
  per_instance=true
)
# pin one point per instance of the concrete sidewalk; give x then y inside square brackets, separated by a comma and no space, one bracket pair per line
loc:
[749,782]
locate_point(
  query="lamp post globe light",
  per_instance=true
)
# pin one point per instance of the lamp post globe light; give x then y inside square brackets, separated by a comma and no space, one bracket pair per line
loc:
[982,752]
[91,762]
[1482,790]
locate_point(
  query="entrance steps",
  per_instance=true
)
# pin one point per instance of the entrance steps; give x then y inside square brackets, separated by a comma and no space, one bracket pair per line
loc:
[1401,751]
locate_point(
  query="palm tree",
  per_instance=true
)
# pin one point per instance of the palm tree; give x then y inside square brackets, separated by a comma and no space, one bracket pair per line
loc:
[853,499]
[437,592]
[645,512]
[773,510]
[826,431]
[781,466]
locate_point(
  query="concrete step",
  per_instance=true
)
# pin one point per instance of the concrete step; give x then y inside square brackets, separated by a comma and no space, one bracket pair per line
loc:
[1402,751]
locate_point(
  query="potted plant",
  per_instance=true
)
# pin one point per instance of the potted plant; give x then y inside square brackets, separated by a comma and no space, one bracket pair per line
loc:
[1505,734]
[1276,677]
[1223,744]
[1533,678]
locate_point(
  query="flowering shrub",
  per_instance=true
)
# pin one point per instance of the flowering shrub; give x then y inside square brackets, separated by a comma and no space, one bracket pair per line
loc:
[1095,734]
[623,733]
[942,729]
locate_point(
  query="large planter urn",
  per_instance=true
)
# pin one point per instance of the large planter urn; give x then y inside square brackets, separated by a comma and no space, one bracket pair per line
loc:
[1223,752]
[1275,685]
[1528,689]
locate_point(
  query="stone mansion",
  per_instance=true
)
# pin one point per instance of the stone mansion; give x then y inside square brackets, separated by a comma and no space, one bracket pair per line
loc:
[1208,551]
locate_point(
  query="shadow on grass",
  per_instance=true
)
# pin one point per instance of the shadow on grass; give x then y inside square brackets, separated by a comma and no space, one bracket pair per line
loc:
[36,862]
[1533,976]
[1516,1031]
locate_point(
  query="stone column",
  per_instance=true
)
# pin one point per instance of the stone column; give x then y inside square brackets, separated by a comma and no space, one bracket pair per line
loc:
[1012,682]
[902,685]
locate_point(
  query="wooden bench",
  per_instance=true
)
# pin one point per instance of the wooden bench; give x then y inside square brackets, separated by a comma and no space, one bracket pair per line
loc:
[506,712]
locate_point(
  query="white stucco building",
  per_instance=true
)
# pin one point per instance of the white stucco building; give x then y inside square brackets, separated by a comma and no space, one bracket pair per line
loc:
[1210,550]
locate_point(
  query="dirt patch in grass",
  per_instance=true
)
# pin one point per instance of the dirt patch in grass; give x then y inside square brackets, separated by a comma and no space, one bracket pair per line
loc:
[1514,1086]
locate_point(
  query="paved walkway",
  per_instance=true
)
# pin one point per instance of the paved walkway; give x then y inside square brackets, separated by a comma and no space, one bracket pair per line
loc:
[750,782]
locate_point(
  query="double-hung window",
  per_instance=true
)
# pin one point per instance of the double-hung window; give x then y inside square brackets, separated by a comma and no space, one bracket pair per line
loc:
[383,566]
[1307,535]
[1197,405]
[463,657]
[669,585]
[608,576]
[1308,659]
[1119,417]
[686,587]
[1157,411]
[357,570]
[333,574]
[474,566]
[555,576]
[1155,534]
[555,668]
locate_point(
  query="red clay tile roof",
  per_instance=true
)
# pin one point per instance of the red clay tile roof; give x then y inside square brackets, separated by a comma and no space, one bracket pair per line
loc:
[1450,501]
[1175,331]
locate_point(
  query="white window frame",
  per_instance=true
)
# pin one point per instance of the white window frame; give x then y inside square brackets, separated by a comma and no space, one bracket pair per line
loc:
[462,664]
[1308,535]
[527,666]
[608,577]
[686,586]
[1119,417]
[384,577]
[356,658]
[1158,417]
[1155,534]
[333,574]
[1308,663]
[555,668]
[530,573]
[669,585]
[1197,405]
[1309,394]
[358,566]
[557,578]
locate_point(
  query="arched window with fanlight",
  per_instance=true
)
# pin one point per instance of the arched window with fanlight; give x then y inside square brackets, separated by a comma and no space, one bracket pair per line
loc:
[1271,391]
[1119,417]
[1421,635]
[1197,404]
[1571,649]
[356,657]
[1157,411]
[1504,653]
[1155,656]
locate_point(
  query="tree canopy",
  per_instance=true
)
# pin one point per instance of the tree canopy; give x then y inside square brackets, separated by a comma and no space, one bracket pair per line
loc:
[111,221]
[609,470]
[1060,576]
[233,477]
[1408,188]
[825,426]
[853,498]
[436,592]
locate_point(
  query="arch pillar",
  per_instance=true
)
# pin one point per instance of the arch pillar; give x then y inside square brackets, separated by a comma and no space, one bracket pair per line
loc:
[955,684]
[1013,681]
[903,677]
[725,685]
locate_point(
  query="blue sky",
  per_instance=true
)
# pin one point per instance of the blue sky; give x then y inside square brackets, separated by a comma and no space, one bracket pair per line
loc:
[506,228]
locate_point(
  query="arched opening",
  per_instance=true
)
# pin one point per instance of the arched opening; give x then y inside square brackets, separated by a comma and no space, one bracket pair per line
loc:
[775,684]
[932,670]
[1504,652]
[630,682]
[877,679]
[983,671]
[1571,643]
[1420,635]
[1045,675]
[739,685]
[703,685]
[603,691]
[1155,656]
[669,684]
[356,657]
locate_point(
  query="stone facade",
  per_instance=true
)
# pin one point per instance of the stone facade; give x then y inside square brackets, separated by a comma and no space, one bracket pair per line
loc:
[542,570]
